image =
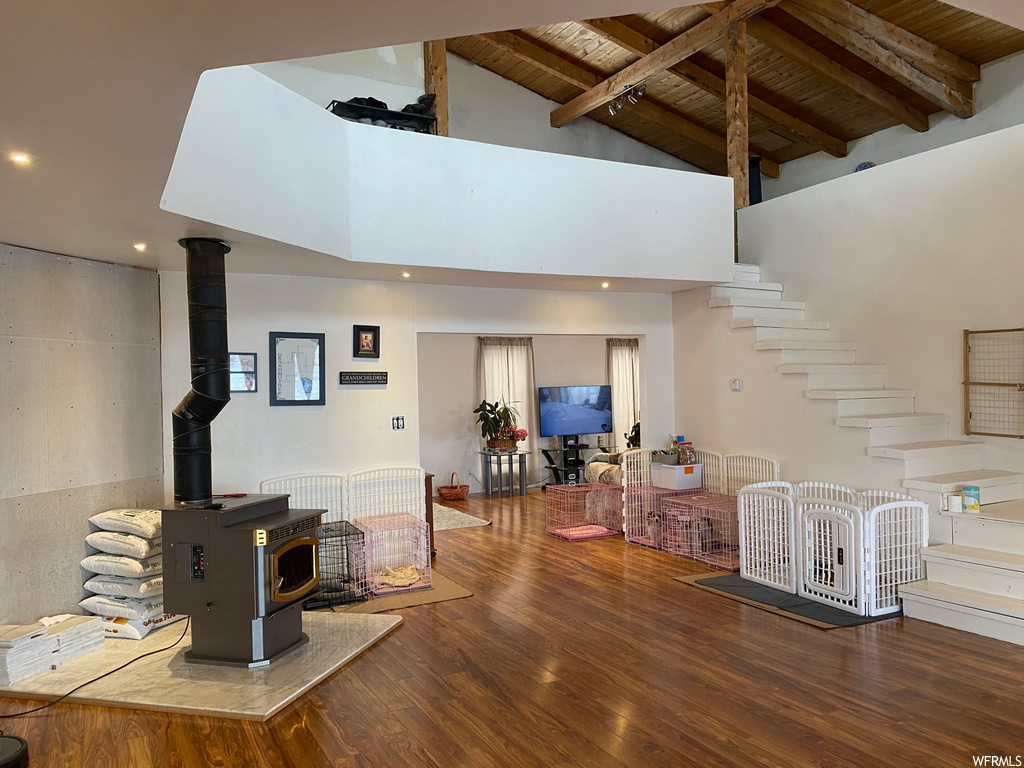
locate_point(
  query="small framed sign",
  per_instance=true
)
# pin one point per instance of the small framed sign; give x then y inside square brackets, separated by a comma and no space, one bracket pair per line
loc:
[366,341]
[298,373]
[242,367]
[361,377]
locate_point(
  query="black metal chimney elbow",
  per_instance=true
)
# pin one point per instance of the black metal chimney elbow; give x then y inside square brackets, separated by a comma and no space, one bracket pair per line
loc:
[208,343]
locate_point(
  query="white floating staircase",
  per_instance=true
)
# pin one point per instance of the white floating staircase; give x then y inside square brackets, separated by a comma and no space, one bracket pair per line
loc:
[976,565]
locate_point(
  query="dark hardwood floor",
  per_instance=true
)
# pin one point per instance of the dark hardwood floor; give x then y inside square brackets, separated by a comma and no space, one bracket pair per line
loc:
[588,654]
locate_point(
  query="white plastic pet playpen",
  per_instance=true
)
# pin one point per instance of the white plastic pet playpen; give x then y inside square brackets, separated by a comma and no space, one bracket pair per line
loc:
[832,544]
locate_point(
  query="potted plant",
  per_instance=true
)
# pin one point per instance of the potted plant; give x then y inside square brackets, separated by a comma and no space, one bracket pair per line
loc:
[498,425]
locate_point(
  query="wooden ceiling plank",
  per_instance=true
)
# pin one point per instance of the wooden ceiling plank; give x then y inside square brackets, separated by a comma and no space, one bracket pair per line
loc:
[520,47]
[927,55]
[641,45]
[737,126]
[674,51]
[946,92]
[822,65]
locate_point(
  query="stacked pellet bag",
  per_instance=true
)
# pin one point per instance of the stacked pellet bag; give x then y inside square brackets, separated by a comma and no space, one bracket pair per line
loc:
[128,584]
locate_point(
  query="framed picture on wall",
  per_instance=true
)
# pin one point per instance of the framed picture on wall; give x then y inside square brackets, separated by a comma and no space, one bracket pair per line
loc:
[366,341]
[242,366]
[298,375]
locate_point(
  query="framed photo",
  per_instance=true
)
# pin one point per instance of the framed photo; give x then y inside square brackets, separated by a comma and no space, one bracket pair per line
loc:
[242,366]
[366,341]
[298,373]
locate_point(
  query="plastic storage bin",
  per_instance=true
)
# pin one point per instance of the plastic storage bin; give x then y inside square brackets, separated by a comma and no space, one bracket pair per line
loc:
[683,477]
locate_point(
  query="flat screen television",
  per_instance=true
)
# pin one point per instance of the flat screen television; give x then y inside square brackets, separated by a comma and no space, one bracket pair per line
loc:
[575,410]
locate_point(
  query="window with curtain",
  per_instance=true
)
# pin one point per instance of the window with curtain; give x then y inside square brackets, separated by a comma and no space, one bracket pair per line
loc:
[505,372]
[624,376]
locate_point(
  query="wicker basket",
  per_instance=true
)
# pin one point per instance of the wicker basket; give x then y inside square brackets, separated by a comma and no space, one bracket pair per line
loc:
[453,492]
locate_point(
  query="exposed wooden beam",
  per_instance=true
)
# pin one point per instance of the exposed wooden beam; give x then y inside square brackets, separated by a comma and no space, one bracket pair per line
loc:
[641,45]
[689,42]
[922,53]
[435,77]
[574,74]
[952,95]
[822,65]
[736,114]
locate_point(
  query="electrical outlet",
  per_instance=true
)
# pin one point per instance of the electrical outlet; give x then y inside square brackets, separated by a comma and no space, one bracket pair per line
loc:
[736,385]
[398,422]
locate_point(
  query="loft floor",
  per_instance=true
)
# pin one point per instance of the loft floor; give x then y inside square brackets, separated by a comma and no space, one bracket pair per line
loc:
[589,654]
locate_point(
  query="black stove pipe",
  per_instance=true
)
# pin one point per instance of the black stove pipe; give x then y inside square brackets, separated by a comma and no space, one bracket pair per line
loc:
[208,344]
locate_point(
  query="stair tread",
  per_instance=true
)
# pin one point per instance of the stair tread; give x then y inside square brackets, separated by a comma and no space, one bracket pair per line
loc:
[892,420]
[857,394]
[790,344]
[930,447]
[751,285]
[779,322]
[990,557]
[1003,511]
[952,481]
[830,368]
[756,303]
[983,601]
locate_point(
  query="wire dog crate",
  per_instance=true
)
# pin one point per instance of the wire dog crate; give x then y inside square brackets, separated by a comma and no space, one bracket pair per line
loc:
[584,511]
[644,521]
[703,527]
[395,553]
[342,576]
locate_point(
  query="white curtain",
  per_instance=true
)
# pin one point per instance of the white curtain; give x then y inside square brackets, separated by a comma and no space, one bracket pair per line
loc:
[505,372]
[624,376]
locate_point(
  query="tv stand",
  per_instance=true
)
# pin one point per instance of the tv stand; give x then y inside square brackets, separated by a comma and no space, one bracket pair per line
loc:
[567,462]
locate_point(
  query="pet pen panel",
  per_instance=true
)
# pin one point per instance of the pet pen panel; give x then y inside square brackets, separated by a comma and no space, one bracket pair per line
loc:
[767,546]
[585,511]
[310,492]
[636,468]
[714,471]
[743,469]
[831,554]
[895,533]
[813,489]
[385,491]
[870,499]
[342,570]
[395,553]
[644,517]
[704,528]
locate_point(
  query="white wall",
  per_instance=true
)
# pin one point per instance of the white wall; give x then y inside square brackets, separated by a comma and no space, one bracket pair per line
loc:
[998,101]
[900,260]
[253,441]
[391,197]
[449,437]
[80,417]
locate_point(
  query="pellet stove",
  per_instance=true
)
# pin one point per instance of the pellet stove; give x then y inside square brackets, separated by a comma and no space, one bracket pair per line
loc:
[239,567]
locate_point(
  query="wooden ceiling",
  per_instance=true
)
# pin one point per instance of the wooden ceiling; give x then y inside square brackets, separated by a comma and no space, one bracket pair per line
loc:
[820,73]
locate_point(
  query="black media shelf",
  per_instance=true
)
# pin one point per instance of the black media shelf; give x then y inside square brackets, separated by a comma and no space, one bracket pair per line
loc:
[419,123]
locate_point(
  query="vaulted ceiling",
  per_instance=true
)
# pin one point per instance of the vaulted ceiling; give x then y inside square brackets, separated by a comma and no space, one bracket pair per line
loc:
[821,73]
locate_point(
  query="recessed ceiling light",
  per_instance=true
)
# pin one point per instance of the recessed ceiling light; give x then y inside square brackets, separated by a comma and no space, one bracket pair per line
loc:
[20,158]
[604,285]
[140,247]
[405,274]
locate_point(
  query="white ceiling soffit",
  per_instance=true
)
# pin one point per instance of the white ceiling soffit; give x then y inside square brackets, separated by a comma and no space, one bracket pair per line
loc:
[97,93]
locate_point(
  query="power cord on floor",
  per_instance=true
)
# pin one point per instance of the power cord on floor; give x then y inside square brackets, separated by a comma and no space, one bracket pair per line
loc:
[105,674]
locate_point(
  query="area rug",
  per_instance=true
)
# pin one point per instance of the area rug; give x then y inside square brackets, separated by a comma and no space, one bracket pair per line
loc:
[442,589]
[734,587]
[446,518]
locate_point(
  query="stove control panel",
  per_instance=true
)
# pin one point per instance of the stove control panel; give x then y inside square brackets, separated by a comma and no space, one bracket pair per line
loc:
[198,562]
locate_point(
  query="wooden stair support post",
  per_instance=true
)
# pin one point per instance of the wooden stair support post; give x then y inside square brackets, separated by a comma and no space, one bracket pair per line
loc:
[738,128]
[680,47]
[435,76]
[947,92]
[635,42]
